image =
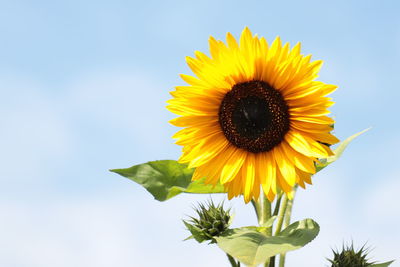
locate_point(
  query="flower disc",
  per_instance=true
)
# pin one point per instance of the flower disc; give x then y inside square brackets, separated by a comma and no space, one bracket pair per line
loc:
[254,117]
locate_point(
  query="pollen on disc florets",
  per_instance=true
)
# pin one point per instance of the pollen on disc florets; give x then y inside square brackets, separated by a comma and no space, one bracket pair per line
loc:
[254,116]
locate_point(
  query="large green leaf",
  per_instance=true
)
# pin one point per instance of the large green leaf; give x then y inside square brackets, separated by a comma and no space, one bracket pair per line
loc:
[167,178]
[252,247]
[385,264]
[338,151]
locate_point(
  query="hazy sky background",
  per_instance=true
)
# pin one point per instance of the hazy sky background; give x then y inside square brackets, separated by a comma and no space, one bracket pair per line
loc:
[83,86]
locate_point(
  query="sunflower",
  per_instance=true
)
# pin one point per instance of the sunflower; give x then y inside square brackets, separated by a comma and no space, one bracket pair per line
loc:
[254,117]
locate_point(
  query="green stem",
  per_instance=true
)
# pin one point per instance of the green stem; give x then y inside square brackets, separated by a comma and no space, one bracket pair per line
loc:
[289,208]
[265,216]
[276,211]
[256,207]
[281,214]
[232,261]
[283,201]
[263,211]
[286,222]
[282,258]
[277,205]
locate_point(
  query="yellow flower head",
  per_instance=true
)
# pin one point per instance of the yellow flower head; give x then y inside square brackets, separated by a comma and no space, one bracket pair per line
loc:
[254,117]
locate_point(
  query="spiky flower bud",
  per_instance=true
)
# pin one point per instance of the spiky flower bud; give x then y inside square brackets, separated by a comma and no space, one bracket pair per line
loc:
[348,257]
[212,221]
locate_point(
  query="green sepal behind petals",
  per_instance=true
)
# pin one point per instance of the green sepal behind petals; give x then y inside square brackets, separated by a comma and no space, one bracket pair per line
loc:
[338,151]
[165,179]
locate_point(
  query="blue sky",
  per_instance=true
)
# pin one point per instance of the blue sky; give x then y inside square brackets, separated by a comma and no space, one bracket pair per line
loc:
[83,89]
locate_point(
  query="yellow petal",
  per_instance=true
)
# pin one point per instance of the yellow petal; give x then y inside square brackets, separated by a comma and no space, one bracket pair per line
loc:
[300,182]
[299,160]
[320,119]
[311,127]
[212,170]
[304,176]
[282,182]
[286,168]
[322,137]
[271,196]
[233,164]
[301,145]
[231,41]
[248,172]
[187,135]
[207,149]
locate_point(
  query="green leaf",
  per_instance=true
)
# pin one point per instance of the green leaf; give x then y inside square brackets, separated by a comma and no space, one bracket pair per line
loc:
[165,179]
[252,247]
[385,264]
[338,151]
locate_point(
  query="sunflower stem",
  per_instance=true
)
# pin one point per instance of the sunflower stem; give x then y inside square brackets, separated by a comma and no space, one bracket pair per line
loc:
[275,213]
[281,214]
[256,207]
[263,210]
[281,205]
[265,213]
[282,258]
[277,205]
[288,214]
[286,222]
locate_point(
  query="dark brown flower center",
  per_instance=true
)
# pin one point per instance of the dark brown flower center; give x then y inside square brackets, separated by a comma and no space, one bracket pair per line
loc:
[254,116]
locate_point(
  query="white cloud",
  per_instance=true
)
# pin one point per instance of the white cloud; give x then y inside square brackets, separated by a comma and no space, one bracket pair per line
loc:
[127,102]
[96,231]
[33,133]
[330,203]
[322,203]
[381,214]
[43,127]
[124,97]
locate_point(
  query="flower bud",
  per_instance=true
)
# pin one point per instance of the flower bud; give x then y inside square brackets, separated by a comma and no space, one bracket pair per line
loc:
[348,257]
[212,221]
